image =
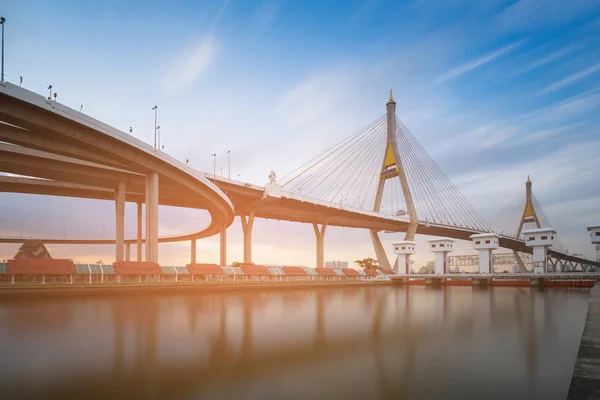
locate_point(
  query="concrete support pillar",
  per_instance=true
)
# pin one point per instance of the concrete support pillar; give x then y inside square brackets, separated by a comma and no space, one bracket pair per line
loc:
[247,224]
[193,255]
[147,209]
[441,262]
[485,261]
[127,251]
[382,259]
[223,237]
[320,235]
[139,232]
[153,197]
[120,220]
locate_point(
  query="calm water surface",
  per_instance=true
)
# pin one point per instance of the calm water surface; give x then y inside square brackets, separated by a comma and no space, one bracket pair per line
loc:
[350,343]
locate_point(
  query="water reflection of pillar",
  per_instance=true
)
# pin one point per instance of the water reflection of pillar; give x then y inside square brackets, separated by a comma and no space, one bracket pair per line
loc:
[531,350]
[220,345]
[247,328]
[380,304]
[119,329]
[320,319]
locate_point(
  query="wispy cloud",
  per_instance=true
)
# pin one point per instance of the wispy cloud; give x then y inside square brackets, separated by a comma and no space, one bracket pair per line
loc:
[474,64]
[192,64]
[570,79]
[219,14]
[547,59]
[265,15]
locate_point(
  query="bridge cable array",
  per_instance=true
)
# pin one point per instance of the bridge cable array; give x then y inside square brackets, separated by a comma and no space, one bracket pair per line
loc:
[349,172]
[507,221]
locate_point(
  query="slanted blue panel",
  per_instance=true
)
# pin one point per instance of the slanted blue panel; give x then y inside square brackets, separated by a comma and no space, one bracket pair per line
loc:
[339,272]
[108,269]
[96,269]
[3,267]
[182,270]
[82,269]
[277,271]
[363,273]
[168,270]
[311,271]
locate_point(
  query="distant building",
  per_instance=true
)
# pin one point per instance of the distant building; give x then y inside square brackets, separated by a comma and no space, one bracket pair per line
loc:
[336,264]
[503,262]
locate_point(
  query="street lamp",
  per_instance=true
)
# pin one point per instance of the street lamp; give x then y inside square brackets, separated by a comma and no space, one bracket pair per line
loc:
[50,88]
[2,21]
[214,155]
[155,108]
[158,133]
[229,157]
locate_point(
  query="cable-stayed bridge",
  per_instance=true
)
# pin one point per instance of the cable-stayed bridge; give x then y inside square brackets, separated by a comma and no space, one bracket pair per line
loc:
[379,179]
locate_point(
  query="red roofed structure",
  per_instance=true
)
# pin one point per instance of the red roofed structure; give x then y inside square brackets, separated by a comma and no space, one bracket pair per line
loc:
[294,271]
[40,266]
[370,272]
[205,269]
[137,268]
[350,272]
[325,272]
[254,270]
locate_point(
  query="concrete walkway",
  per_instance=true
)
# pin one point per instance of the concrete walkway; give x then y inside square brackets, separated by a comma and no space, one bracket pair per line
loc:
[585,383]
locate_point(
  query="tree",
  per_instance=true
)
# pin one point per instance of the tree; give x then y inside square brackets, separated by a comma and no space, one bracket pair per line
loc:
[368,263]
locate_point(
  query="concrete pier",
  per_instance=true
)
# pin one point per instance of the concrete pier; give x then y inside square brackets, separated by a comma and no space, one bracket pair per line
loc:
[585,383]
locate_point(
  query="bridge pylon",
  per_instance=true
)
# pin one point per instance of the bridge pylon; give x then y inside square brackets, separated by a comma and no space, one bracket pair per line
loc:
[392,167]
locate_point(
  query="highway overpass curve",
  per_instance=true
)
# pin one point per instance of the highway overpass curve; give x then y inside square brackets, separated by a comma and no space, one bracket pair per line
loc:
[41,124]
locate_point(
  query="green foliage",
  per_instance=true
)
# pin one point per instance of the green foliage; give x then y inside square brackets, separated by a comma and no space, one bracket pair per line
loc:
[368,263]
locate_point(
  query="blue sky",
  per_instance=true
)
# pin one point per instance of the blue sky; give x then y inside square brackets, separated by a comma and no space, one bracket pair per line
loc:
[493,90]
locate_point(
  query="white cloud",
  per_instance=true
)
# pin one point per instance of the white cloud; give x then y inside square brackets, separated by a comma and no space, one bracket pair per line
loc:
[474,64]
[570,79]
[192,64]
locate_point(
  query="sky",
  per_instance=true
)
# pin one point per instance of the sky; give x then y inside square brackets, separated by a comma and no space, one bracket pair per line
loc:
[494,91]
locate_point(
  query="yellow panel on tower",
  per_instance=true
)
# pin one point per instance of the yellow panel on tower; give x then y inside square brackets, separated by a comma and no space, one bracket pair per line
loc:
[390,168]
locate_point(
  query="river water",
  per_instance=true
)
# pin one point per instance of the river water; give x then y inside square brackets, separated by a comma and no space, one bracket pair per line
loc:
[349,343]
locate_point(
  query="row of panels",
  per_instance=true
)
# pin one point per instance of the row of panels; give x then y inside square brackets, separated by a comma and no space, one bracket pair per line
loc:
[67,267]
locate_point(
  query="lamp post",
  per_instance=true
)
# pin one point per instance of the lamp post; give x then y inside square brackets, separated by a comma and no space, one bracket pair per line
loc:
[214,155]
[50,88]
[2,21]
[158,134]
[229,161]
[155,108]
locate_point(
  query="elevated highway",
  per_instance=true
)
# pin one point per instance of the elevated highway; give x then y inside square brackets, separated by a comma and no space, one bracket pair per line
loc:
[59,151]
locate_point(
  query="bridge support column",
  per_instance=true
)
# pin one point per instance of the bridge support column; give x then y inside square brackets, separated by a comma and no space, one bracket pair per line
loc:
[127,251]
[147,209]
[382,259]
[152,205]
[486,243]
[139,232]
[247,224]
[223,239]
[441,247]
[193,255]
[120,220]
[320,235]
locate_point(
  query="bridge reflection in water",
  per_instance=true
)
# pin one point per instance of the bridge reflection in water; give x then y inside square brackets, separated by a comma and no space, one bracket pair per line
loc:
[379,342]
